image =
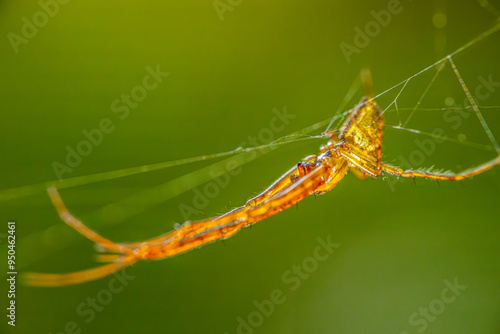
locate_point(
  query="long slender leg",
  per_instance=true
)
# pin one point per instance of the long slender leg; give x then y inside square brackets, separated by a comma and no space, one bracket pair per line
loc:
[54,280]
[190,235]
[284,181]
[80,227]
[188,229]
[119,261]
[367,166]
[443,176]
[199,233]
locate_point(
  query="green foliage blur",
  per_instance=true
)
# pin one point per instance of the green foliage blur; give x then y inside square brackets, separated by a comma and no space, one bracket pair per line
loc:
[72,76]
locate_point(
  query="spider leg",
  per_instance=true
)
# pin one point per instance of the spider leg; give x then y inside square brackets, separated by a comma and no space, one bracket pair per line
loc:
[291,176]
[196,234]
[281,183]
[128,256]
[76,224]
[442,176]
[189,229]
[365,164]
[55,280]
[369,166]
[283,194]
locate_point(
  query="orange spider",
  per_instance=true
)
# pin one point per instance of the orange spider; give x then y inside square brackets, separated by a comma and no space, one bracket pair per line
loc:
[356,149]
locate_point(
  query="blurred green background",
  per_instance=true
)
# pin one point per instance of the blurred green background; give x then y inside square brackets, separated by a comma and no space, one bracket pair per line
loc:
[399,241]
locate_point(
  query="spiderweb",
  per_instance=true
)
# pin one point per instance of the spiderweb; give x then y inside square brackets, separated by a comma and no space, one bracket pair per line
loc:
[401,114]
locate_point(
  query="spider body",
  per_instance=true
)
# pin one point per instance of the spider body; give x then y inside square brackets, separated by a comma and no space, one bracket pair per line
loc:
[357,148]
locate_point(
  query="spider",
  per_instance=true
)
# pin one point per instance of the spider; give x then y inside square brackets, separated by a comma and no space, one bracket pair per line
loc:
[356,149]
